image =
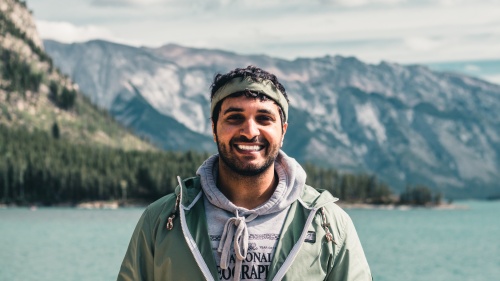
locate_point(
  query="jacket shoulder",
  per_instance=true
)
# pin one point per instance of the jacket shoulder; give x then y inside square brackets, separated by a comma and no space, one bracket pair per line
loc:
[337,217]
[166,204]
[161,207]
[315,198]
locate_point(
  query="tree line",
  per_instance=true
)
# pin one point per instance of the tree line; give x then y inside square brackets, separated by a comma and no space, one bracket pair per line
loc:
[21,76]
[362,188]
[366,188]
[39,168]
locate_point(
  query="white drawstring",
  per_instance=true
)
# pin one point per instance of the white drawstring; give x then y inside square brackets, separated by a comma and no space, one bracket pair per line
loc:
[240,236]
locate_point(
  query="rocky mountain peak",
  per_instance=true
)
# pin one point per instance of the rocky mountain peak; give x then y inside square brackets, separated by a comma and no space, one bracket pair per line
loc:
[17,12]
[35,95]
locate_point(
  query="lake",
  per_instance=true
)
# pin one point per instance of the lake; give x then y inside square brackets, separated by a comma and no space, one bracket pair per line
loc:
[412,245]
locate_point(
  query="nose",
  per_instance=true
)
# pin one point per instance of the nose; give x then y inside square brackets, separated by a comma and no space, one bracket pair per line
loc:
[250,129]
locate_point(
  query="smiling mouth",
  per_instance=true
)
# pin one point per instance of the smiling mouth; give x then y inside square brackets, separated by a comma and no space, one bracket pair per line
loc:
[248,147]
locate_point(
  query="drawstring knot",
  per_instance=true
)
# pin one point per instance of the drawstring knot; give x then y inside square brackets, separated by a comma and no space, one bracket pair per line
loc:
[236,231]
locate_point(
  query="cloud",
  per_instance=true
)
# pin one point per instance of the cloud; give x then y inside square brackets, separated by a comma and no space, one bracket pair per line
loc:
[105,3]
[125,3]
[472,68]
[216,4]
[422,43]
[493,78]
[360,3]
[67,32]
[373,30]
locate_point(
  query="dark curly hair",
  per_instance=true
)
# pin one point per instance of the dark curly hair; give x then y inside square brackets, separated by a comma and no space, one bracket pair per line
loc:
[255,73]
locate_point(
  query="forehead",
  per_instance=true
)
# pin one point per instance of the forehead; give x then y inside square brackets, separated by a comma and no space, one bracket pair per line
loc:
[244,103]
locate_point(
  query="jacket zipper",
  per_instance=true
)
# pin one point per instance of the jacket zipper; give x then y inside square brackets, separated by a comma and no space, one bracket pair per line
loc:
[190,241]
[293,253]
[296,248]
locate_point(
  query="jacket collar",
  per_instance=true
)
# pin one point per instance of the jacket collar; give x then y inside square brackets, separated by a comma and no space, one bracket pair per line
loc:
[189,189]
[316,198]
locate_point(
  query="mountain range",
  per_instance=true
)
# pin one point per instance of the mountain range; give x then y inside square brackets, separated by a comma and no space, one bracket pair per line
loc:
[407,124]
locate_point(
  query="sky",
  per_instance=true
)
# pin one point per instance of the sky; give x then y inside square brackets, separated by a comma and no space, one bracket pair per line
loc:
[402,31]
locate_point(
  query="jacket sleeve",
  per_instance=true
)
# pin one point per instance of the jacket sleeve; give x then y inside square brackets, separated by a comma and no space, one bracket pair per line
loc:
[138,262]
[350,263]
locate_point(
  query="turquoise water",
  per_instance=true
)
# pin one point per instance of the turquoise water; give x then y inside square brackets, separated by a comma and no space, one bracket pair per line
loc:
[426,244]
[64,244]
[421,244]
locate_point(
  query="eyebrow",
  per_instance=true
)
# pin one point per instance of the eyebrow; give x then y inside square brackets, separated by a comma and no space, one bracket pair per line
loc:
[232,109]
[238,109]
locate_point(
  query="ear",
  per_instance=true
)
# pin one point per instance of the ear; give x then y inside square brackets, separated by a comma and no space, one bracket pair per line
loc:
[213,131]
[285,126]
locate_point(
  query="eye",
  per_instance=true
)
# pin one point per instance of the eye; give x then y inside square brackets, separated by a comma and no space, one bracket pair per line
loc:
[234,118]
[265,118]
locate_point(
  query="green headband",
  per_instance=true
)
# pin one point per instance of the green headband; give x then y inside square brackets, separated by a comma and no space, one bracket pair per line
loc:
[240,84]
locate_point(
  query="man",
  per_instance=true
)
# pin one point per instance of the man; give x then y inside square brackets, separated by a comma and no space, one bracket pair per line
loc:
[248,214]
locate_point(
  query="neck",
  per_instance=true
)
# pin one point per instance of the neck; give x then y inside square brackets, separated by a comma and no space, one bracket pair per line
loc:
[247,191]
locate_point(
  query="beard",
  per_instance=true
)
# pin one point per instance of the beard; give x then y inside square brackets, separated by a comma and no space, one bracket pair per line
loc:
[242,168]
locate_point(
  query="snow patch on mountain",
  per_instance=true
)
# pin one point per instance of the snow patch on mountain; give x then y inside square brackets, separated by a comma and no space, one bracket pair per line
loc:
[367,116]
[195,84]
[471,162]
[318,151]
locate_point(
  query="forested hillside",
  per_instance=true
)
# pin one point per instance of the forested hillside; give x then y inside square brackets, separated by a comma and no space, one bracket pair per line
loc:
[34,95]
[55,145]
[39,168]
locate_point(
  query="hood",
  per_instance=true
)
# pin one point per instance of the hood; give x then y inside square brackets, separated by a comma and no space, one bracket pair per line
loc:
[290,186]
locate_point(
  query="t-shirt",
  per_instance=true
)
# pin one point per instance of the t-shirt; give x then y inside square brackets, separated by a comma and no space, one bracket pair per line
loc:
[263,236]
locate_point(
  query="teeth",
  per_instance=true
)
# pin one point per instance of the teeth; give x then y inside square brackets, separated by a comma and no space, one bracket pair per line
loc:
[249,147]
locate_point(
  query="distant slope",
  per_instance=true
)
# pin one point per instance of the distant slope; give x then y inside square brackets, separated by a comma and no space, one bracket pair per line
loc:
[34,95]
[407,124]
[164,131]
[485,69]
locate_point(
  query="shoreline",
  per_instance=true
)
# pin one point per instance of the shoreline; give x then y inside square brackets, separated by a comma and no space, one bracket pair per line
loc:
[119,204]
[366,206]
[98,204]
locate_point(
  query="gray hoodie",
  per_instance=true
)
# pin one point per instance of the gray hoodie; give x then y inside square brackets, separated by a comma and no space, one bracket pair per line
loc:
[244,241]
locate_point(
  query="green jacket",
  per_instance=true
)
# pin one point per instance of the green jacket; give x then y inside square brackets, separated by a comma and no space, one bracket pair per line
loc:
[185,253]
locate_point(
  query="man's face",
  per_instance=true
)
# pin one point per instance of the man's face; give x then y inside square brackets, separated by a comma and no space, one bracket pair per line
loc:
[249,134]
